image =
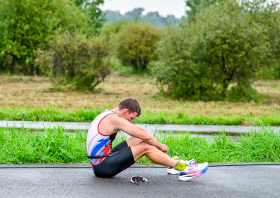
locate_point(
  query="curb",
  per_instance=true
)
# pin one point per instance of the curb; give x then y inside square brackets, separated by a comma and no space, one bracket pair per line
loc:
[133,166]
[152,128]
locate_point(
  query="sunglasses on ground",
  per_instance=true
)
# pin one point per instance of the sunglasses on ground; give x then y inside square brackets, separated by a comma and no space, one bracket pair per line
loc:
[136,179]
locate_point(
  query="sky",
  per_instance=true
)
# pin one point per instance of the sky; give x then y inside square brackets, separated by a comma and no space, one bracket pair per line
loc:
[164,7]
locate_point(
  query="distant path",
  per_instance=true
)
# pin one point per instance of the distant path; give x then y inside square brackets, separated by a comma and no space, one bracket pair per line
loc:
[149,127]
[220,181]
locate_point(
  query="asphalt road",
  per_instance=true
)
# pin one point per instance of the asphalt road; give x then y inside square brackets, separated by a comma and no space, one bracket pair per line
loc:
[79,181]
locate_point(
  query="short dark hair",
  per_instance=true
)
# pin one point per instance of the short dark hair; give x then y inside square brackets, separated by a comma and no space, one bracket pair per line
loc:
[131,104]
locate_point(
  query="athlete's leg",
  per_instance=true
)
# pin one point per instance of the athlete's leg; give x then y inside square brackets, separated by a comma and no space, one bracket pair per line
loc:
[115,163]
[128,142]
[155,155]
[133,140]
[119,146]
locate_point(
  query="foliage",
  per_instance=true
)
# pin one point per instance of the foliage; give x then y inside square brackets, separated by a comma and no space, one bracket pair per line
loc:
[114,16]
[267,15]
[76,59]
[135,44]
[91,8]
[109,31]
[137,15]
[257,146]
[198,5]
[53,145]
[214,57]
[54,114]
[26,25]
[134,14]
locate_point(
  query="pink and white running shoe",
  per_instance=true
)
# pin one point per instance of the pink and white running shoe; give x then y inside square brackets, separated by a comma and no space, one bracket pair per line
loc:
[192,171]
[173,171]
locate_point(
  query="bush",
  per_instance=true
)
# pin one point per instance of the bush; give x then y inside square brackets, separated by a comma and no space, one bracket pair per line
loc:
[109,31]
[135,44]
[220,50]
[76,60]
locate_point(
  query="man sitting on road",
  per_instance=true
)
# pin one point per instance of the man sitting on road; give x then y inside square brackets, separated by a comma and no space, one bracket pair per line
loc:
[107,161]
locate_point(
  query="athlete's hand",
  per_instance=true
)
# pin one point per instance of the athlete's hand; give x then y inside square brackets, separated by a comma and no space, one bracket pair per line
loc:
[164,148]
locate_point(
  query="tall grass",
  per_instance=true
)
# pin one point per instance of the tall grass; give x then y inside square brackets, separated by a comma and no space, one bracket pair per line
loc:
[261,146]
[48,114]
[55,146]
[87,115]
[51,146]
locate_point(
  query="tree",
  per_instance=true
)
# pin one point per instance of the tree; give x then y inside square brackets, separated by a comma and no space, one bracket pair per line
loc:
[134,14]
[171,19]
[154,18]
[197,5]
[112,16]
[95,13]
[267,15]
[27,25]
[214,57]
[135,44]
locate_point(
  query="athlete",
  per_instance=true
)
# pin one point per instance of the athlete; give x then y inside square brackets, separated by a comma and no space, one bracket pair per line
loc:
[107,161]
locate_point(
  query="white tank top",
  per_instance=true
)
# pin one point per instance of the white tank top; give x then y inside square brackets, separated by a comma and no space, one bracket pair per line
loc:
[99,145]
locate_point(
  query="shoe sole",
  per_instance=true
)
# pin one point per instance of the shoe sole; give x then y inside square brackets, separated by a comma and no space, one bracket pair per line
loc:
[188,177]
[173,171]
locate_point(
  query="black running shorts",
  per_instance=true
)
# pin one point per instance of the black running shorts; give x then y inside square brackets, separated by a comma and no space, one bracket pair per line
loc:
[120,159]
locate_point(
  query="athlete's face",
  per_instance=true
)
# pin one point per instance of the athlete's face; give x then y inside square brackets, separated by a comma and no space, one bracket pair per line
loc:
[129,116]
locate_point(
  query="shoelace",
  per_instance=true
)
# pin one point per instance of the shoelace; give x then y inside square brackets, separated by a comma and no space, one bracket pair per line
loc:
[193,168]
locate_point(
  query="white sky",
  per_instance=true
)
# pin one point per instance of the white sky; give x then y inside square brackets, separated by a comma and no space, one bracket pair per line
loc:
[164,7]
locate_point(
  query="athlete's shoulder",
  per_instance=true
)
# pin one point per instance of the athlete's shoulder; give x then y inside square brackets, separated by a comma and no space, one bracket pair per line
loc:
[117,120]
[114,117]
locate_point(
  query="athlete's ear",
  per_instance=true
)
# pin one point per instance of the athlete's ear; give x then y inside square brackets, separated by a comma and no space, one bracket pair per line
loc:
[125,111]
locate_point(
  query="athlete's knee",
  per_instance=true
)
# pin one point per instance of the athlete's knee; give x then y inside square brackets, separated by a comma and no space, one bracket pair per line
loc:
[133,141]
[146,147]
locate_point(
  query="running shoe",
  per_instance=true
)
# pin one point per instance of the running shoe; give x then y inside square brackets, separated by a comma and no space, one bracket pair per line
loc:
[192,171]
[173,171]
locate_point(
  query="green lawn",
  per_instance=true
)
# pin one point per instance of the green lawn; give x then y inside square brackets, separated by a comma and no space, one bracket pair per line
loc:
[55,146]
[87,115]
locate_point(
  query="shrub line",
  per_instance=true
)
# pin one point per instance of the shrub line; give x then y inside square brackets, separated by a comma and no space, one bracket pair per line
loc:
[53,114]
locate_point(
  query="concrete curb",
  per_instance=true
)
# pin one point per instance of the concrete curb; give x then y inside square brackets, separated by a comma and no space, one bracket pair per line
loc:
[149,127]
[133,166]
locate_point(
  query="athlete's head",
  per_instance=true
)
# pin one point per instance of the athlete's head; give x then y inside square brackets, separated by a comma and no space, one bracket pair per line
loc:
[131,104]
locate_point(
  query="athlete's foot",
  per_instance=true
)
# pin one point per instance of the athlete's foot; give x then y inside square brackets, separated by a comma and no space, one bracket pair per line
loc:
[193,171]
[173,171]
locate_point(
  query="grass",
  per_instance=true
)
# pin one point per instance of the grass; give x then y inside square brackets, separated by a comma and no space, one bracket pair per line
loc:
[55,146]
[33,98]
[127,70]
[52,146]
[87,115]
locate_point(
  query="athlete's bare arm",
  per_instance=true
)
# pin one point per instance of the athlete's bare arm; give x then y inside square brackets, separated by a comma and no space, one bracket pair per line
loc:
[131,129]
[143,130]
[140,128]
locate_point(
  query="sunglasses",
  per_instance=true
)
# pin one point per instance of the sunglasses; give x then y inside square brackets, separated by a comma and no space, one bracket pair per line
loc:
[136,179]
